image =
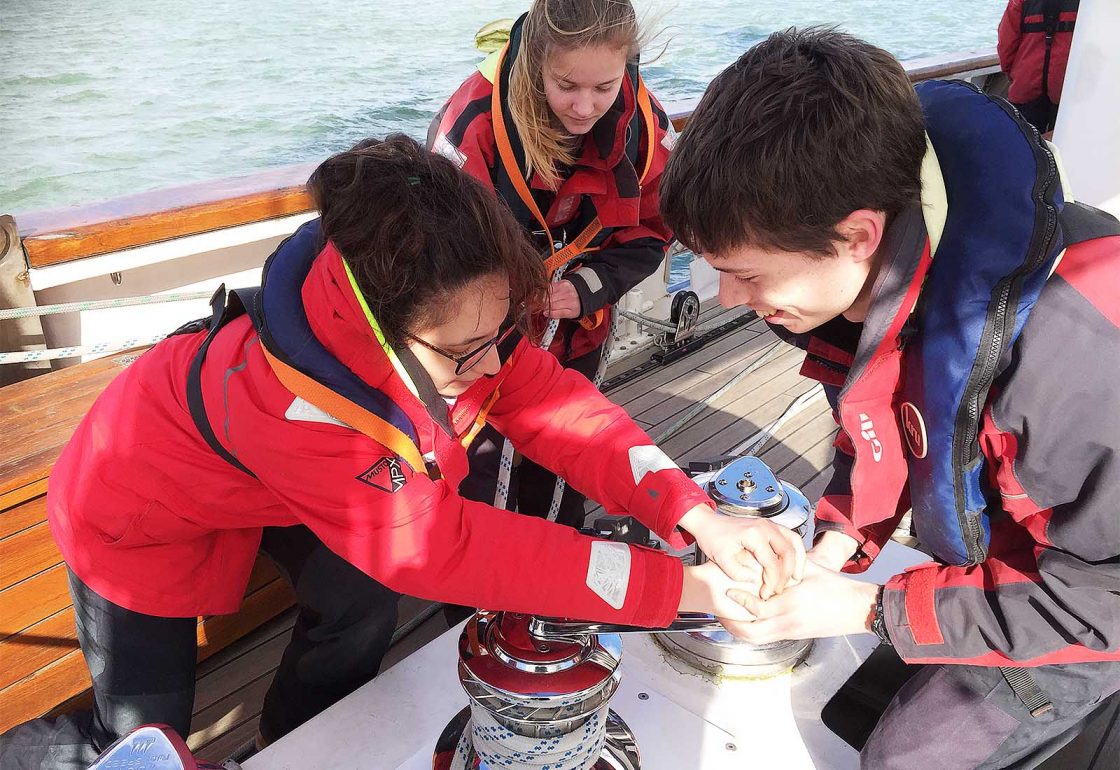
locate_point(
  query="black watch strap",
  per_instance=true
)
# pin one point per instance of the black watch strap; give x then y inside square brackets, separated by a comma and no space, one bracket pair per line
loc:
[878,622]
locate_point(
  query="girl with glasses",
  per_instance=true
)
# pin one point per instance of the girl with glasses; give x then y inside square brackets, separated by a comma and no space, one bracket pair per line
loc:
[326,425]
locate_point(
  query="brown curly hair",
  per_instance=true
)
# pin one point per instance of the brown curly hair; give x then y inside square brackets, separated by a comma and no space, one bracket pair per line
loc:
[413,229]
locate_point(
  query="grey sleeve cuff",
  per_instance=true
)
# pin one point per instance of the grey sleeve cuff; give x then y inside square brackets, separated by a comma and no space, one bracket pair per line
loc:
[897,624]
[590,288]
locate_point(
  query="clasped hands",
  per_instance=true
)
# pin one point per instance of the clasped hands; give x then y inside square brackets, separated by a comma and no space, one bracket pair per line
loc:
[764,587]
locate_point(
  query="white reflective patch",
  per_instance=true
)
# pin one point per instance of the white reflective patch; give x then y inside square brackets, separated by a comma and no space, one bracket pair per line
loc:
[444,147]
[591,278]
[648,459]
[305,411]
[669,141]
[608,571]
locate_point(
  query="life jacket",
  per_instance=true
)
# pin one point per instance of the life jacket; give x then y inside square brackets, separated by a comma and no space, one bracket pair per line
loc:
[511,172]
[1045,17]
[1005,229]
[305,367]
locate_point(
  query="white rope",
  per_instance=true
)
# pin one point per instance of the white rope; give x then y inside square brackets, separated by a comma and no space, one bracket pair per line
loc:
[701,405]
[77,307]
[505,463]
[498,746]
[756,442]
[604,359]
[101,348]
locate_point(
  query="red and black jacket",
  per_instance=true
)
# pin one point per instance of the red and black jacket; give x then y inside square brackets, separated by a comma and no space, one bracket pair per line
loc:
[615,180]
[1033,47]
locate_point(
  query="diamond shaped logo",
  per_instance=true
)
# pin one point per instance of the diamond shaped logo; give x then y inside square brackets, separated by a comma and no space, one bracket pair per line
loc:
[386,474]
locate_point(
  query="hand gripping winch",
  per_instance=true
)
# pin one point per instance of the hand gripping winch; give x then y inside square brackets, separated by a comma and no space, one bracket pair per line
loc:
[540,688]
[746,488]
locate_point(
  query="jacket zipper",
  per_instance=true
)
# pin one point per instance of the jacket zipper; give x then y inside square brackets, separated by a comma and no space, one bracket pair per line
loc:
[965,447]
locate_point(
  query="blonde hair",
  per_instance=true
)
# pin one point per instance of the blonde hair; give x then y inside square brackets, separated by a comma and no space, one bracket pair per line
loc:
[565,24]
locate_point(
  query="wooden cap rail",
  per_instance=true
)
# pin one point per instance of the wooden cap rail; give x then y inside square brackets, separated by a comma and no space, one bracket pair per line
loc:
[61,235]
[54,236]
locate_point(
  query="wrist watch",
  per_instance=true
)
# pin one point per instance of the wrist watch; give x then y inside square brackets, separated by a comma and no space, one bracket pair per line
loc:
[878,623]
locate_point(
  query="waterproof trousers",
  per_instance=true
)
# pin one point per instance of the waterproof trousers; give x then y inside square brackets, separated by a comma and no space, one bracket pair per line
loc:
[968,718]
[1040,113]
[143,667]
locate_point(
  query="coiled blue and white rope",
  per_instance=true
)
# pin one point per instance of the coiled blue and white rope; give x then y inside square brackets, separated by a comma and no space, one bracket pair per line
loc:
[499,747]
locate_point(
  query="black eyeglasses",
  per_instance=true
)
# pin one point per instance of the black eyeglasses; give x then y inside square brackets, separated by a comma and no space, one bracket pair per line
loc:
[466,361]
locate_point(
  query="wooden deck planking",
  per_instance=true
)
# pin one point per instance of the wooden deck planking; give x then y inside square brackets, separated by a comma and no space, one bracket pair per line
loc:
[732,419]
[692,385]
[232,683]
[639,385]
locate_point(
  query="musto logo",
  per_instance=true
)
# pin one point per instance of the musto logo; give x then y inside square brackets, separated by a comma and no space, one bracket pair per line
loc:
[386,474]
[867,430]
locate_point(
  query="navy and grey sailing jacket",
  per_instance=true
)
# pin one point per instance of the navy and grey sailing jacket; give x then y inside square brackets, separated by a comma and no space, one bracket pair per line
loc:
[985,398]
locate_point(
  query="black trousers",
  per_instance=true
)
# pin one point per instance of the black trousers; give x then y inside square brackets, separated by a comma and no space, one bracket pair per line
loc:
[143,667]
[1040,113]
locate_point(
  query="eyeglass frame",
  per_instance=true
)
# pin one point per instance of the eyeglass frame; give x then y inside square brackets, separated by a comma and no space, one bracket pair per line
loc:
[480,351]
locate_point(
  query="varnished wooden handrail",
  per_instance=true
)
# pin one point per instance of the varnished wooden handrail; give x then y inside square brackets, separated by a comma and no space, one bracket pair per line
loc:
[934,67]
[926,68]
[54,236]
[62,235]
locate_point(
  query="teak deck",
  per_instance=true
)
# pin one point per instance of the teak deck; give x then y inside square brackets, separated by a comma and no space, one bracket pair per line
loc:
[41,669]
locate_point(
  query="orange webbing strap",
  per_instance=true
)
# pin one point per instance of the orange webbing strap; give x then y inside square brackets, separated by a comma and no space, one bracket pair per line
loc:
[573,249]
[366,422]
[595,320]
[646,107]
[468,438]
[505,149]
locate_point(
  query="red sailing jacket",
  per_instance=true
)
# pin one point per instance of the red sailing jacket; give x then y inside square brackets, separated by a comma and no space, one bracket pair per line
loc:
[1022,49]
[604,182]
[1049,590]
[151,518]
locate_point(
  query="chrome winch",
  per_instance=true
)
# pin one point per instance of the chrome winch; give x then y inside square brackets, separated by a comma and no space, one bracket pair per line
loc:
[746,487]
[539,689]
[536,699]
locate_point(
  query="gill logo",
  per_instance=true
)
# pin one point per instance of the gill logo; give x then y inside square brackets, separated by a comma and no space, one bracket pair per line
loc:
[867,430]
[914,428]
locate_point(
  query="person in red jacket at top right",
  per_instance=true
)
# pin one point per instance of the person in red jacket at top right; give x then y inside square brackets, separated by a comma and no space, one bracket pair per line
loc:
[1034,40]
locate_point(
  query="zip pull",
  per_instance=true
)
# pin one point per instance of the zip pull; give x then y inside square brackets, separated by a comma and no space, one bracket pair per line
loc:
[908,331]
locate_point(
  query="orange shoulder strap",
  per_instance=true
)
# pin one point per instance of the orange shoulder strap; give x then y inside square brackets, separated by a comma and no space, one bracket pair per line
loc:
[646,107]
[365,422]
[578,246]
[505,149]
[468,437]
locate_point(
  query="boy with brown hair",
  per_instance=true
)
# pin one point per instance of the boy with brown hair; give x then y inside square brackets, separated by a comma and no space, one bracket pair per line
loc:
[963,314]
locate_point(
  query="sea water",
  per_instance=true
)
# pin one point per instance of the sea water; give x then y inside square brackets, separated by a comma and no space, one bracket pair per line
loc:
[106,98]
